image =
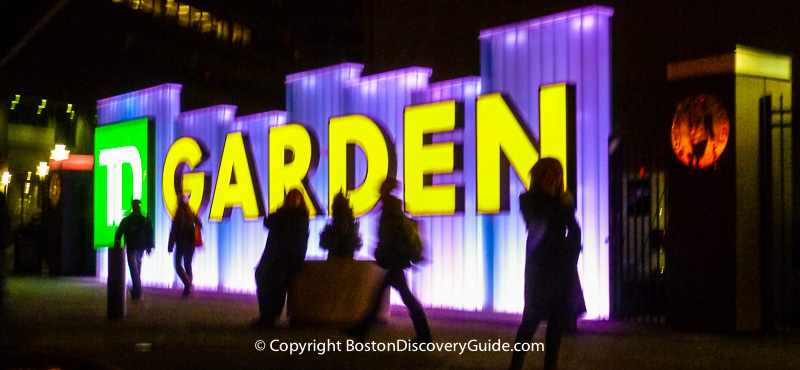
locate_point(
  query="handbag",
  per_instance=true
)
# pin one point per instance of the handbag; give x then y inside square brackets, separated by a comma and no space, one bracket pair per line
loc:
[198,237]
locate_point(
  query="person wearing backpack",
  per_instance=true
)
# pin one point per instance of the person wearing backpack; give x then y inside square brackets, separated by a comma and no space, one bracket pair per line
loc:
[552,250]
[138,233]
[394,254]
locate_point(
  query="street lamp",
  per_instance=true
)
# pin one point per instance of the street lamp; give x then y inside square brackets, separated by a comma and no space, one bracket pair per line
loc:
[6,179]
[59,153]
[28,183]
[42,170]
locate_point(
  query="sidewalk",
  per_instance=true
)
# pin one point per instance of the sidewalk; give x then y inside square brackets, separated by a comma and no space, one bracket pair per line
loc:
[61,323]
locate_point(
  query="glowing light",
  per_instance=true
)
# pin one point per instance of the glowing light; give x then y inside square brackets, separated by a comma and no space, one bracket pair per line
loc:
[114,159]
[588,21]
[44,104]
[75,162]
[59,153]
[42,169]
[6,179]
[159,105]
[235,165]
[423,159]
[553,126]
[478,259]
[754,62]
[123,150]
[284,176]
[15,102]
[511,38]
[498,130]
[365,133]
[557,52]
[184,150]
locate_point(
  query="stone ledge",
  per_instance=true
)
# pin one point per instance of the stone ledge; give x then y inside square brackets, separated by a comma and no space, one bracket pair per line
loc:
[336,292]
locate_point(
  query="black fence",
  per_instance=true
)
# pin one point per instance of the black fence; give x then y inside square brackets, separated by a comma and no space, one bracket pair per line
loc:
[638,229]
[780,268]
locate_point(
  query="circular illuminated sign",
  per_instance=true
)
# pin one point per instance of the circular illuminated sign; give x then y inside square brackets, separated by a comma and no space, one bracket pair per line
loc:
[700,130]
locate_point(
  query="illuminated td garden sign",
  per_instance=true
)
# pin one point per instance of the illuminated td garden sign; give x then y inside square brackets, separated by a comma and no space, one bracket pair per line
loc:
[121,157]
[461,148]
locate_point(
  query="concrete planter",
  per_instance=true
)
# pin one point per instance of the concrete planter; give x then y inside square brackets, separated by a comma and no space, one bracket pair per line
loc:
[335,292]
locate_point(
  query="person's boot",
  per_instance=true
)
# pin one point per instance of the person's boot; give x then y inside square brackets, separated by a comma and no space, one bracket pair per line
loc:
[262,323]
[517,360]
[357,333]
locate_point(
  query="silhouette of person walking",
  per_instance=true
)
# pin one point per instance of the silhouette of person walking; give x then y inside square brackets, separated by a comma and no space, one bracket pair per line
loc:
[552,249]
[138,233]
[283,256]
[340,238]
[182,234]
[392,255]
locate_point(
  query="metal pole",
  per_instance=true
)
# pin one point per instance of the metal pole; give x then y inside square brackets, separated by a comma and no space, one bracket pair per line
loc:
[116,282]
[766,209]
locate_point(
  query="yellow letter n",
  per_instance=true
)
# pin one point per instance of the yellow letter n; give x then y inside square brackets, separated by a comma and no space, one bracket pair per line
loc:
[503,139]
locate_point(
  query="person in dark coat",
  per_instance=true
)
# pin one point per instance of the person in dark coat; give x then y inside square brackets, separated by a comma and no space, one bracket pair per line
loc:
[552,288]
[182,233]
[283,256]
[392,255]
[138,233]
[340,238]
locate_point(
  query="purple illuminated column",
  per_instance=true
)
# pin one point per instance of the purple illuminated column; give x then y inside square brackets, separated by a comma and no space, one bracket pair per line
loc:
[574,48]
[162,104]
[312,98]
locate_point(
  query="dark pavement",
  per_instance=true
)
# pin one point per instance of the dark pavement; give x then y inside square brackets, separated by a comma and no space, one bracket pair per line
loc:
[61,323]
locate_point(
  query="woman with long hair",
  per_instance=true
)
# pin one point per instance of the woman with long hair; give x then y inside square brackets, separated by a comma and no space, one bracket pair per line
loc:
[552,288]
[182,234]
[283,256]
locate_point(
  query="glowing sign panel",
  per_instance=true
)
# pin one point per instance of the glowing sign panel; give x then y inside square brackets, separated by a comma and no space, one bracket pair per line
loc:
[121,162]
[544,89]
[423,159]
[292,155]
[700,130]
[235,182]
[184,150]
[367,135]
